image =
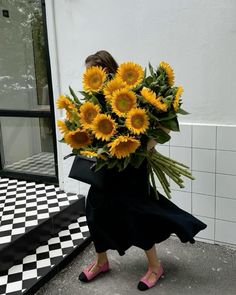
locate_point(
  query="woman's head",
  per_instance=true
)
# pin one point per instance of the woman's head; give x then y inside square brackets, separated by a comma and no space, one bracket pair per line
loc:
[104,59]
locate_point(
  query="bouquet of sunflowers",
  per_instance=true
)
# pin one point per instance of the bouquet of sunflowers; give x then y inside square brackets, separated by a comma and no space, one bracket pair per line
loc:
[119,114]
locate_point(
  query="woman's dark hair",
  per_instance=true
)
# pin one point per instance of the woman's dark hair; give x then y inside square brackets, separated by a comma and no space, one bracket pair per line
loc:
[104,59]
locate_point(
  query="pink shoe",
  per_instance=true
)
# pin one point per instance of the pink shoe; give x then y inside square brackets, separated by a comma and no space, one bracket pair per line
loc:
[86,275]
[144,284]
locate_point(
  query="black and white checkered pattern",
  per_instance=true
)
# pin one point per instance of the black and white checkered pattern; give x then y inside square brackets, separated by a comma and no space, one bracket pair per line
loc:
[42,163]
[24,205]
[26,273]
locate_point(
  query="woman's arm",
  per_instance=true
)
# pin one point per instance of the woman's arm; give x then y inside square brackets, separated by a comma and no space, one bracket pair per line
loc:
[152,143]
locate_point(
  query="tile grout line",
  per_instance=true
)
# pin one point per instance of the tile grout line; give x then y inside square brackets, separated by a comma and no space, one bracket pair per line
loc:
[191,163]
[216,133]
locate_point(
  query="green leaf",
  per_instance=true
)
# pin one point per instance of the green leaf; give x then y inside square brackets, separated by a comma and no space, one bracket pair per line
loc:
[136,160]
[126,162]
[151,69]
[172,124]
[100,164]
[74,96]
[149,80]
[159,135]
[182,112]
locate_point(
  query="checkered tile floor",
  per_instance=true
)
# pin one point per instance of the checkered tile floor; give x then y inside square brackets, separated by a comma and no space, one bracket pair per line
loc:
[24,205]
[42,163]
[26,273]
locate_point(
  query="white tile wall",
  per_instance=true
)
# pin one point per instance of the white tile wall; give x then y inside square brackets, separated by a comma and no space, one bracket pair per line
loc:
[204,183]
[225,231]
[182,138]
[226,186]
[212,195]
[203,160]
[204,137]
[226,209]
[226,138]
[203,205]
[226,162]
[182,200]
[209,232]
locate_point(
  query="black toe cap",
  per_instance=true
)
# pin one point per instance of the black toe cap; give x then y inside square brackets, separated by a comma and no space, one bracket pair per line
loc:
[83,278]
[142,286]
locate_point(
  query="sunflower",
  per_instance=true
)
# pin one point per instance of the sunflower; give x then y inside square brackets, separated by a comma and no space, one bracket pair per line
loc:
[64,103]
[131,73]
[111,86]
[151,97]
[169,72]
[78,138]
[122,146]
[137,121]
[177,98]
[103,127]
[93,79]
[88,112]
[123,100]
[92,154]
[62,126]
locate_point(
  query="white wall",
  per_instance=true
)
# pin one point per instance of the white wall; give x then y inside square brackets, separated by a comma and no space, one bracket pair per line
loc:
[198,38]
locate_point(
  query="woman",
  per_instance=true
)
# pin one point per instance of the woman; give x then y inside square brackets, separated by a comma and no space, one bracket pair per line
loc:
[126,213]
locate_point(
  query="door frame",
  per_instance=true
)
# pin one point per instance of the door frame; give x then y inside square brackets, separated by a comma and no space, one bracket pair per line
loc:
[36,114]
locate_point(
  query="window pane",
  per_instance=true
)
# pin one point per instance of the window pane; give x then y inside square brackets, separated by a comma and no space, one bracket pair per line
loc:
[27,145]
[23,78]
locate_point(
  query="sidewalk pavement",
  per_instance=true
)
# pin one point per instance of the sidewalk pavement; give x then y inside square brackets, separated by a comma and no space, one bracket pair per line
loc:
[190,269]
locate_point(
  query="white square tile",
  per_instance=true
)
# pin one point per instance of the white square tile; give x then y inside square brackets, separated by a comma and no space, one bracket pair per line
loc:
[30,258]
[203,205]
[225,231]
[14,287]
[163,149]
[3,280]
[182,200]
[226,186]
[204,183]
[30,274]
[43,263]
[226,162]
[55,253]
[4,240]
[67,244]
[182,138]
[15,269]
[77,236]
[204,137]
[17,231]
[226,209]
[204,160]
[42,249]
[226,138]
[208,232]
[181,154]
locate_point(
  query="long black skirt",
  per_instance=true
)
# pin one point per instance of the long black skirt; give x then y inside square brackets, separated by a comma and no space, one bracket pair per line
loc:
[126,213]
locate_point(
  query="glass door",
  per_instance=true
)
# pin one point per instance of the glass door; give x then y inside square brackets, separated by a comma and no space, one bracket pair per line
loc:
[27,129]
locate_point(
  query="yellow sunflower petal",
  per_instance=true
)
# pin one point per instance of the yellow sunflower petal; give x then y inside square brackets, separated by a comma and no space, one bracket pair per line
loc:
[88,112]
[103,127]
[131,73]
[137,121]
[62,126]
[93,79]
[123,146]
[78,138]
[169,72]
[123,100]
[111,86]
[151,97]
[177,98]
[93,154]
[63,102]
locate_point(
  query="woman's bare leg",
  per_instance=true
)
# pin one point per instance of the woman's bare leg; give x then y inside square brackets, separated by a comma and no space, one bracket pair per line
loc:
[153,262]
[101,259]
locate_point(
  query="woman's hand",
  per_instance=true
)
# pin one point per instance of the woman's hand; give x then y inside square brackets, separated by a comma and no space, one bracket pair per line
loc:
[152,143]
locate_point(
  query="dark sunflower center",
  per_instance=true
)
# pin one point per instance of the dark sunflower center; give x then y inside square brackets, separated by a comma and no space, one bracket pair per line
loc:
[90,115]
[137,121]
[105,126]
[124,104]
[81,137]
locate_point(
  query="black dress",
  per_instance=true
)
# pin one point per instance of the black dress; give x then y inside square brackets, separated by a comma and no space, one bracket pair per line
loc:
[126,213]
